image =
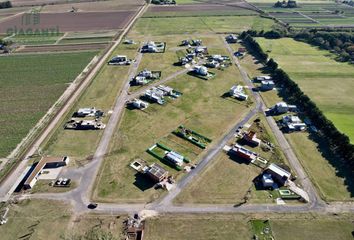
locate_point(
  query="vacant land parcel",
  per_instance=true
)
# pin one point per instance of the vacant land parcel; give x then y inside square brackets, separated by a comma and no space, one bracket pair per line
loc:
[26,95]
[327,82]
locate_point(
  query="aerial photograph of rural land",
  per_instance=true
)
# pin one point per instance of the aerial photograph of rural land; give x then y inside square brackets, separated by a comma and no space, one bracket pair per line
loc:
[177,119]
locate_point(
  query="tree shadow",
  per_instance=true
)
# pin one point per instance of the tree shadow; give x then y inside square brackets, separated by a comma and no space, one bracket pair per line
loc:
[237,159]
[341,167]
[142,182]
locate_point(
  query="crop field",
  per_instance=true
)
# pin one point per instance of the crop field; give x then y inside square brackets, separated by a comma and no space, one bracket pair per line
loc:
[319,77]
[64,22]
[61,48]
[85,40]
[35,39]
[196,10]
[26,95]
[198,108]
[200,25]
[80,145]
[312,14]
[99,6]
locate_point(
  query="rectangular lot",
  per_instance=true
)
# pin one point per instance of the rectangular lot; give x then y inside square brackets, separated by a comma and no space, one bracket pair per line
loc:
[65,22]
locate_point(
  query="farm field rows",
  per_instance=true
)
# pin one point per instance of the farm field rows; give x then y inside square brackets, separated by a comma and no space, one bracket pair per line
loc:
[310,14]
[198,108]
[26,95]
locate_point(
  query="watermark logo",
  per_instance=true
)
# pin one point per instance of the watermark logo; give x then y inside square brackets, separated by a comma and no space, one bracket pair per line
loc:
[31,25]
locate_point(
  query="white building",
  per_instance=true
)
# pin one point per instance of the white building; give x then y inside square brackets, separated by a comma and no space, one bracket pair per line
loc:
[267,85]
[201,70]
[283,107]
[267,180]
[86,112]
[279,174]
[175,158]
[293,123]
[238,92]
[263,78]
[137,103]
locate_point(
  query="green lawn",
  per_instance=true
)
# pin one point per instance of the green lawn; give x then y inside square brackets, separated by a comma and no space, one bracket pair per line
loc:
[26,95]
[327,82]
[188,25]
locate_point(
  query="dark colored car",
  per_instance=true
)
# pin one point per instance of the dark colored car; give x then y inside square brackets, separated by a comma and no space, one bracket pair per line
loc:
[92,205]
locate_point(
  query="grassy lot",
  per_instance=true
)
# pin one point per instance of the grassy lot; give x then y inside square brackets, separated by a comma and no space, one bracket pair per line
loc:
[26,95]
[34,219]
[102,92]
[101,226]
[35,39]
[197,227]
[234,178]
[329,175]
[201,25]
[200,106]
[321,229]
[319,77]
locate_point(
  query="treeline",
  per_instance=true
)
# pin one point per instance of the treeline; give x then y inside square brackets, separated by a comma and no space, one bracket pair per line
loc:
[341,43]
[338,142]
[6,4]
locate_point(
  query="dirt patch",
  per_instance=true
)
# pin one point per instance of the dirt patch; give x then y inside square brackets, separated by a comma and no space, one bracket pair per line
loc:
[60,48]
[67,22]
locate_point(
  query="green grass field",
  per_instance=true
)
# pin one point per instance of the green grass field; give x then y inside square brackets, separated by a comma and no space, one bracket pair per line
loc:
[33,219]
[231,12]
[226,227]
[26,95]
[35,39]
[315,229]
[200,25]
[200,106]
[85,40]
[327,82]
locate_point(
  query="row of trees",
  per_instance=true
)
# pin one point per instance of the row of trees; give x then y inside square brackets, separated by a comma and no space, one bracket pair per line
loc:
[6,4]
[338,142]
[342,43]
